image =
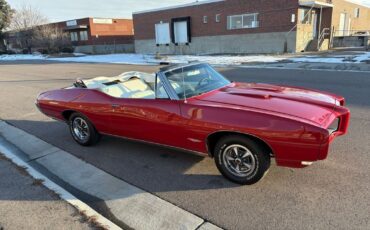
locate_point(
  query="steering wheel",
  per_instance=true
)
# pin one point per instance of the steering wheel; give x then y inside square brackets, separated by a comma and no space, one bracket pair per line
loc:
[203,80]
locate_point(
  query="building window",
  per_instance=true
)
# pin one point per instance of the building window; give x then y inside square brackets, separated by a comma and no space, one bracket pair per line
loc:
[205,19]
[305,16]
[357,12]
[218,18]
[83,35]
[242,21]
[74,36]
[162,34]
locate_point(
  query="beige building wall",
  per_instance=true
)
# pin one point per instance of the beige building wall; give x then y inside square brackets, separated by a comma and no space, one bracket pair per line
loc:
[342,6]
[304,31]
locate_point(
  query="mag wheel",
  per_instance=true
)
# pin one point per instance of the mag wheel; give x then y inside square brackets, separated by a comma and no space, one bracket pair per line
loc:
[241,160]
[82,130]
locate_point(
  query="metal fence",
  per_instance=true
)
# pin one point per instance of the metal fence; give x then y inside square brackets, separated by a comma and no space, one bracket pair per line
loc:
[358,33]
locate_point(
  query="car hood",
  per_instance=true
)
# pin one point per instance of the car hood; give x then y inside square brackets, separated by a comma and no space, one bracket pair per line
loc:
[305,104]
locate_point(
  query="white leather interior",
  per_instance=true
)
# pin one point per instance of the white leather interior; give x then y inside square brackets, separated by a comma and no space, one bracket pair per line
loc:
[129,85]
[134,88]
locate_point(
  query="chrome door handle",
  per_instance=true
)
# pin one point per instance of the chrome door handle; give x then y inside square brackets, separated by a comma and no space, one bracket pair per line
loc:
[115,106]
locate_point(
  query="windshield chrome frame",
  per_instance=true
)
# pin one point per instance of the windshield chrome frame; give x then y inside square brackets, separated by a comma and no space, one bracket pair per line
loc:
[166,83]
[167,86]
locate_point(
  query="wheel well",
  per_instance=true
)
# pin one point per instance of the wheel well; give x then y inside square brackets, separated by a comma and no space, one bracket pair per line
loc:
[67,114]
[215,137]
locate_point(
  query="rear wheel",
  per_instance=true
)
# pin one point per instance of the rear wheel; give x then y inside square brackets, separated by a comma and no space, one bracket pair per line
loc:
[82,130]
[241,160]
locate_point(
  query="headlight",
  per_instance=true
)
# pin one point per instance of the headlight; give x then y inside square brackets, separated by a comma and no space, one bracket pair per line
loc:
[334,126]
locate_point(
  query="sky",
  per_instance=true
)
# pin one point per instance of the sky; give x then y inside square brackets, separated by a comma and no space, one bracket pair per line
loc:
[61,10]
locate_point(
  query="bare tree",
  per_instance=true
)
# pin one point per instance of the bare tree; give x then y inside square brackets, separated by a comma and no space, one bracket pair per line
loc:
[51,38]
[6,13]
[24,23]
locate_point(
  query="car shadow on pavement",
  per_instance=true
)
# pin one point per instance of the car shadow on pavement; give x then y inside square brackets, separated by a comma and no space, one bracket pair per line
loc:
[150,167]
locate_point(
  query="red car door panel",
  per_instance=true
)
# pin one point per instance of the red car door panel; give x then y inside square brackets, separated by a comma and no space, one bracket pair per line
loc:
[153,120]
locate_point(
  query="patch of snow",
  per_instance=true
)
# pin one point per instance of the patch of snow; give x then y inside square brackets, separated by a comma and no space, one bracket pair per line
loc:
[222,60]
[17,57]
[318,60]
[358,58]
[140,59]
[79,54]
[134,59]
[363,57]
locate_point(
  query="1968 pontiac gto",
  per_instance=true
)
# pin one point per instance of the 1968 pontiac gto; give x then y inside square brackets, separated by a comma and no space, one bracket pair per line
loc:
[193,107]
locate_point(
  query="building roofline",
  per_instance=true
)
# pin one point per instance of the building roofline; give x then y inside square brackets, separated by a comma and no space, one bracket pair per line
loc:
[179,6]
[358,3]
[316,4]
[88,18]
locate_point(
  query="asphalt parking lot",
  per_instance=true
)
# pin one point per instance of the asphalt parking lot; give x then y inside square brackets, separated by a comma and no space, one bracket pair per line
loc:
[22,196]
[332,194]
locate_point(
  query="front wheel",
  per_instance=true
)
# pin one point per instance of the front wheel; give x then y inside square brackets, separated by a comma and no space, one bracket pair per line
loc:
[82,130]
[241,160]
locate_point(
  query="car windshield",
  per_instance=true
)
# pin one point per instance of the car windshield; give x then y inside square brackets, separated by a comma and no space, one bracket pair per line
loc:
[194,80]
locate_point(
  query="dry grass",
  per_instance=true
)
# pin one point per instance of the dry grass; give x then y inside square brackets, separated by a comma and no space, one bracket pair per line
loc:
[37,182]
[92,221]
[21,170]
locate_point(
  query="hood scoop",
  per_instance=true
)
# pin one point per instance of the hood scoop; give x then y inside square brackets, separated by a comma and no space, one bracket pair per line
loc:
[247,93]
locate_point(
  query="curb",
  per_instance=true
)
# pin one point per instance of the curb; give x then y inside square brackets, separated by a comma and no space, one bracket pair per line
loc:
[64,195]
[133,207]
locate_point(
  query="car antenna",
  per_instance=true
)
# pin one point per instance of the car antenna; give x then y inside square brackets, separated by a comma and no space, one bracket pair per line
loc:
[183,84]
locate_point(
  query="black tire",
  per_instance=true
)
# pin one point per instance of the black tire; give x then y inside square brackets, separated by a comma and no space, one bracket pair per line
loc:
[256,163]
[92,136]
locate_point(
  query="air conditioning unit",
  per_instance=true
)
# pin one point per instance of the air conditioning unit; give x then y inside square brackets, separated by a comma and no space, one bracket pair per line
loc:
[255,24]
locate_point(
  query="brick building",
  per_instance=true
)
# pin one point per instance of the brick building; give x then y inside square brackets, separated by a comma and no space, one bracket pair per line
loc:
[253,26]
[100,35]
[94,35]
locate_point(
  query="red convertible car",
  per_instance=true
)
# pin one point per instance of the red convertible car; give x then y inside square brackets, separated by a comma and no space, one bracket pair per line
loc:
[193,107]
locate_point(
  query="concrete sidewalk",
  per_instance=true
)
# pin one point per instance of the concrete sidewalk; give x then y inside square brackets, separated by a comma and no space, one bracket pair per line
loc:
[129,206]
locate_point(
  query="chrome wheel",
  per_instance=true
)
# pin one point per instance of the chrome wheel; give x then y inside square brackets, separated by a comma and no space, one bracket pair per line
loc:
[239,160]
[80,129]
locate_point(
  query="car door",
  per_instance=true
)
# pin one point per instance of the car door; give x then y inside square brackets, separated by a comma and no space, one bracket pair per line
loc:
[155,120]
